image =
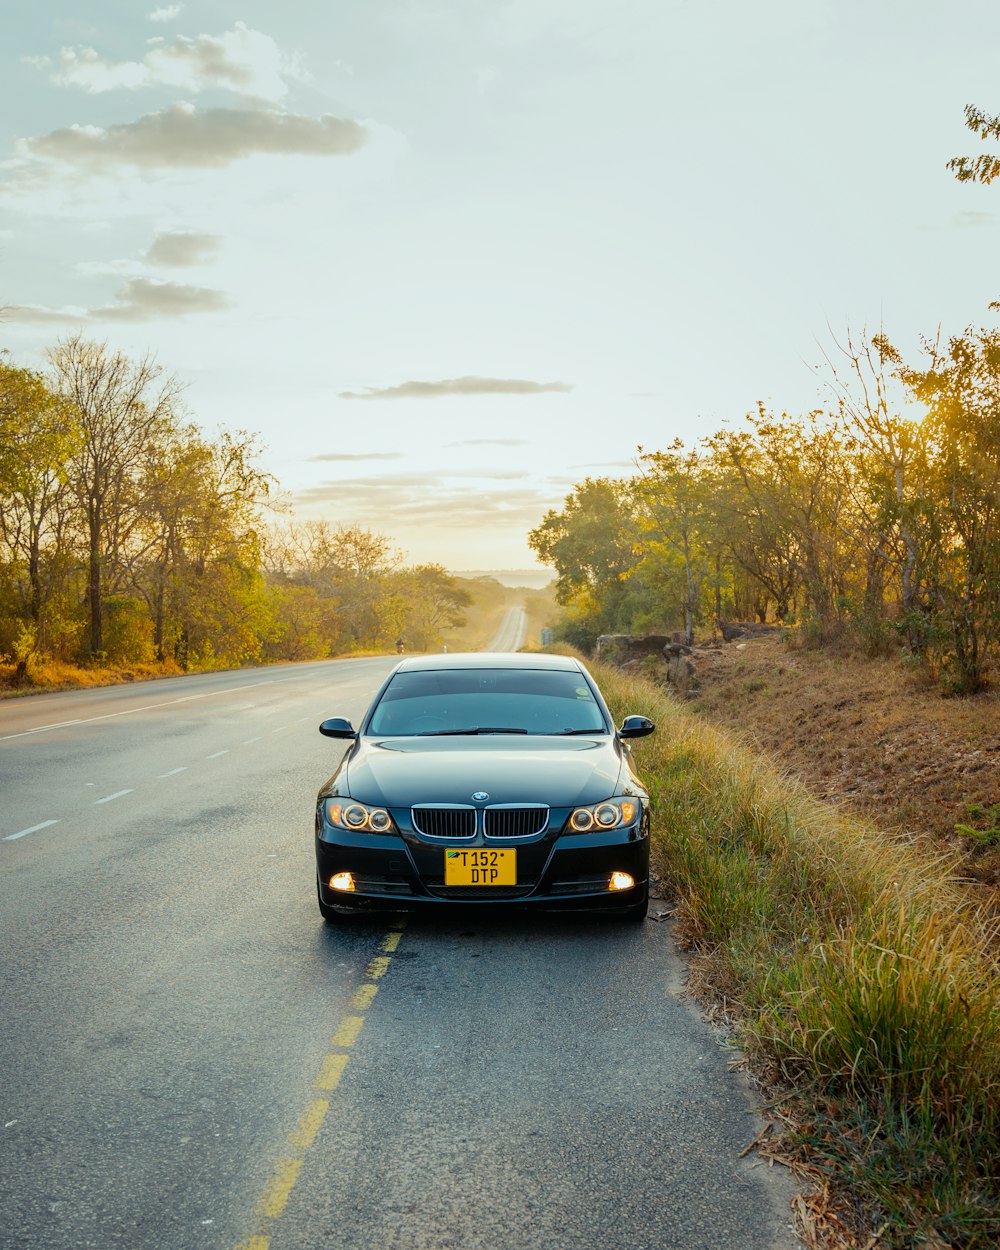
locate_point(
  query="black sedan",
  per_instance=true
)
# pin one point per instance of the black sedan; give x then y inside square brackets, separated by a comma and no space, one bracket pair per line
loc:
[482,779]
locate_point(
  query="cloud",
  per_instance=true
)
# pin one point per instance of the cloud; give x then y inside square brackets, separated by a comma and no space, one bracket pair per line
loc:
[166,14]
[353,456]
[181,249]
[181,136]
[241,60]
[457,386]
[409,501]
[171,250]
[138,300]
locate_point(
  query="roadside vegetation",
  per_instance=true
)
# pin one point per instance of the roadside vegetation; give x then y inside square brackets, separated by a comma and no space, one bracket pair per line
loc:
[874,521]
[132,543]
[862,984]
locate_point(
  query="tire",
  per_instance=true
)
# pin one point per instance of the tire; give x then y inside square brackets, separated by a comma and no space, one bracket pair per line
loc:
[635,913]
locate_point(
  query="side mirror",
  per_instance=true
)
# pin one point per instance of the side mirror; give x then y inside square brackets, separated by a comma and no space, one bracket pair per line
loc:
[338,727]
[636,727]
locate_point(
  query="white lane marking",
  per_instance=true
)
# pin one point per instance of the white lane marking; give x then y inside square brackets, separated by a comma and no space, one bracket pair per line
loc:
[173,772]
[216,754]
[12,837]
[86,720]
[109,797]
[247,741]
[280,729]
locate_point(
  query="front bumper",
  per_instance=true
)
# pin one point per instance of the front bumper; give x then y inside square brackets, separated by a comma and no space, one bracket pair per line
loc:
[554,870]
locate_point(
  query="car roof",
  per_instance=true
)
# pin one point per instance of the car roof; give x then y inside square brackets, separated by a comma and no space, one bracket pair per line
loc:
[488,659]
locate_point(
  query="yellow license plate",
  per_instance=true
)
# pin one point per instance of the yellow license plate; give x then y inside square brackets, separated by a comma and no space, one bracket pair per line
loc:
[480,867]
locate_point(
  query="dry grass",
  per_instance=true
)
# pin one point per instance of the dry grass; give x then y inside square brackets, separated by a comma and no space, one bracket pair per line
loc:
[52,675]
[862,978]
[871,735]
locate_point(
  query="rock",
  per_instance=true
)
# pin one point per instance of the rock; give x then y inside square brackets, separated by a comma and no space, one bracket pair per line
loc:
[681,671]
[684,664]
[622,648]
[687,665]
[733,630]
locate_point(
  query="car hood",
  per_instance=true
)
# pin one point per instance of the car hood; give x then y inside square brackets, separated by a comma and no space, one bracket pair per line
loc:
[401,772]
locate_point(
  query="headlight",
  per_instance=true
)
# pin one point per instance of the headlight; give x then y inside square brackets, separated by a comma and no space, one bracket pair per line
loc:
[607,815]
[359,817]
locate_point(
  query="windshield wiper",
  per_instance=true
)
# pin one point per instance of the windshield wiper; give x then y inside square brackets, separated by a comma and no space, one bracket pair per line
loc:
[477,729]
[569,732]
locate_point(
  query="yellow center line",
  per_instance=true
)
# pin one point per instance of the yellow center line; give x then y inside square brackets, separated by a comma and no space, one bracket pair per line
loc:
[274,1198]
[331,1070]
[363,997]
[310,1124]
[348,1032]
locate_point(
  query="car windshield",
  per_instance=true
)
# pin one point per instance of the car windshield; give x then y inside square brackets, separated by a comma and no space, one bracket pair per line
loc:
[486,700]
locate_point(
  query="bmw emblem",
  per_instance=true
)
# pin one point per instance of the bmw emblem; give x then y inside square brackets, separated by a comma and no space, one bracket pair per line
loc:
[480,796]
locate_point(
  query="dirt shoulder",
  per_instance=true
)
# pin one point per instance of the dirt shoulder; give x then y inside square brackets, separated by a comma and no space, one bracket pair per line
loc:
[869,734]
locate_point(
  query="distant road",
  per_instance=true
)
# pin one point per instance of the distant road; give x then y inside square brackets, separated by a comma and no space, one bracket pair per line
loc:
[510,635]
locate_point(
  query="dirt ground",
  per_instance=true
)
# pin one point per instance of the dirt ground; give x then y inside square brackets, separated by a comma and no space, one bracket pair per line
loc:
[874,735]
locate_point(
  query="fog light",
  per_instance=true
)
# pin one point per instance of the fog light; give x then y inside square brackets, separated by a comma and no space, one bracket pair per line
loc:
[344,881]
[619,881]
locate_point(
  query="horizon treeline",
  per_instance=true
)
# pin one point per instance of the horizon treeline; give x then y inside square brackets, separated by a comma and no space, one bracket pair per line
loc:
[875,520]
[129,537]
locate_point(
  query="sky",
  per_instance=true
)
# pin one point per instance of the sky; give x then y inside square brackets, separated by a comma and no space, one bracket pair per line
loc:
[450,257]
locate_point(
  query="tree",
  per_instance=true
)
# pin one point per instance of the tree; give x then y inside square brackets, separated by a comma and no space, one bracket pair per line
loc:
[123,408]
[982,168]
[202,503]
[351,569]
[591,544]
[793,474]
[960,387]
[433,601]
[675,493]
[890,456]
[37,435]
[302,627]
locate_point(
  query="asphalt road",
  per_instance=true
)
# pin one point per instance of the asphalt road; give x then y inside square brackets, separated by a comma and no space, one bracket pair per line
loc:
[190,1058]
[512,629]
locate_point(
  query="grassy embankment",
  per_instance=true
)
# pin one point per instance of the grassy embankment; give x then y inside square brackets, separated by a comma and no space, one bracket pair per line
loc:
[861,983]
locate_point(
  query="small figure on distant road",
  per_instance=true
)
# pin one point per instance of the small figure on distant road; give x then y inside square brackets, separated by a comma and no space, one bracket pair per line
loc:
[400,646]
